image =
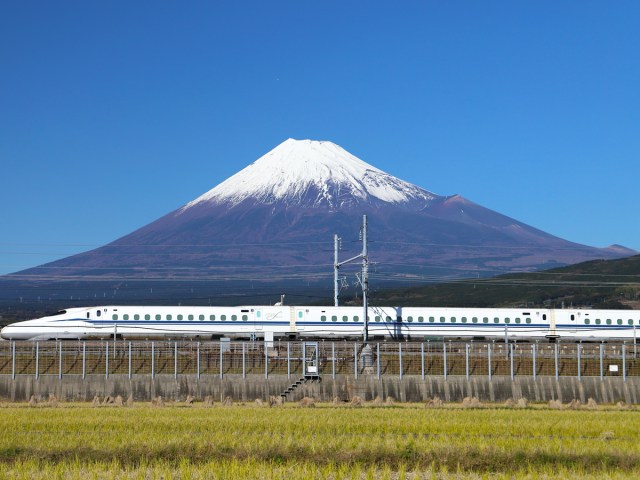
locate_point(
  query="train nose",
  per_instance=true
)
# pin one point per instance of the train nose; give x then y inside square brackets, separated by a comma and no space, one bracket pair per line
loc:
[14,333]
[5,333]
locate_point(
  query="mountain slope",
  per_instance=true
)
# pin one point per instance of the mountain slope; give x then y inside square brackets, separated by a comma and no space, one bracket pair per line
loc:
[274,222]
[598,283]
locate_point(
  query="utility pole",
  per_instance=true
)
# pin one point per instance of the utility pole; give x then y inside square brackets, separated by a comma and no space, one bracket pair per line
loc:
[365,279]
[365,273]
[336,266]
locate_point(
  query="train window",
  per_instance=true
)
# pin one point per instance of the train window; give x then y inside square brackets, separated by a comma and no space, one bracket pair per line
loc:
[234,317]
[136,317]
[597,321]
[496,320]
[300,314]
[453,319]
[147,317]
[432,319]
[125,317]
[334,318]
[608,321]
[630,322]
[169,317]
[190,317]
[485,320]
[464,319]
[421,319]
[180,317]
[442,319]
[345,318]
[212,317]
[507,320]
[388,319]
[201,317]
[544,316]
[573,317]
[356,318]
[474,319]
[223,317]
[158,317]
[587,321]
[517,320]
[245,318]
[528,320]
[377,318]
[323,318]
[619,321]
[98,313]
[409,319]
[115,316]
[258,314]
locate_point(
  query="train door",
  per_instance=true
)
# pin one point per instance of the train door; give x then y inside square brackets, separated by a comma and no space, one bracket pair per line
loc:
[552,323]
[297,320]
[257,321]
[571,319]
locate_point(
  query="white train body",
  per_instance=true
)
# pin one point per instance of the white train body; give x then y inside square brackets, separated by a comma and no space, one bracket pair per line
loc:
[334,322]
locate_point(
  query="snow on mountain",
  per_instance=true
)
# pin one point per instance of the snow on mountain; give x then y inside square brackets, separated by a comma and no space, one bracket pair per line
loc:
[312,173]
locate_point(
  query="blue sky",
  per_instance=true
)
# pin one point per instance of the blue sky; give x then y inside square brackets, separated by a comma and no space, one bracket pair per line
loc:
[112,114]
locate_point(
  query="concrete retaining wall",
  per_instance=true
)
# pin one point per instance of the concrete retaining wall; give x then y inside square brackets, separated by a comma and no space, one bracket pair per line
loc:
[406,389]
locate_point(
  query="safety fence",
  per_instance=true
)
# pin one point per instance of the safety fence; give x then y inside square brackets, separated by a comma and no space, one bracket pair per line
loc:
[220,358]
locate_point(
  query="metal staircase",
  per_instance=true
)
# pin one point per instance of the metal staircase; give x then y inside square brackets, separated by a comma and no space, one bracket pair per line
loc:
[310,371]
[305,379]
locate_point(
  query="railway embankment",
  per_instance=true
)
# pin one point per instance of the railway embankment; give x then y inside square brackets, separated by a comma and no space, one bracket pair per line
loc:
[409,388]
[325,371]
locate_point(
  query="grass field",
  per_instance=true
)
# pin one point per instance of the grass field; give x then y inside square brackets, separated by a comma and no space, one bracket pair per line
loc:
[400,441]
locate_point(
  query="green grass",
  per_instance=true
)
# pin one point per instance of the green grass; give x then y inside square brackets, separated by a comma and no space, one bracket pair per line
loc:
[407,441]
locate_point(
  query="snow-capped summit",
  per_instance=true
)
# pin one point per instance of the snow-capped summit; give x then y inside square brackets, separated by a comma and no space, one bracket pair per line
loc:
[312,173]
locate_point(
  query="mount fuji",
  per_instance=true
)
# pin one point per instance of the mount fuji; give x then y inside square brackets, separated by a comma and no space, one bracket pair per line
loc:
[274,222]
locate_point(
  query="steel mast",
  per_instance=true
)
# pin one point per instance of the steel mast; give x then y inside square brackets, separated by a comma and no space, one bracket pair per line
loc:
[365,274]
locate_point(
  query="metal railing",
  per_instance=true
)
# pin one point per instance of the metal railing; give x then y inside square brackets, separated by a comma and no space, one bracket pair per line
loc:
[334,358]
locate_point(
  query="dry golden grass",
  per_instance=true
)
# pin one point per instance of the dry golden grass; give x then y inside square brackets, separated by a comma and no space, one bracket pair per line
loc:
[328,441]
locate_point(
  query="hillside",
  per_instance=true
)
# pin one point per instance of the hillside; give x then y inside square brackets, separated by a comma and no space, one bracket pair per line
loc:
[611,284]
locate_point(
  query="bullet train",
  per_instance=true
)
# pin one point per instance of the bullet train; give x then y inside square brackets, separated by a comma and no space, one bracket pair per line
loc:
[269,322]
